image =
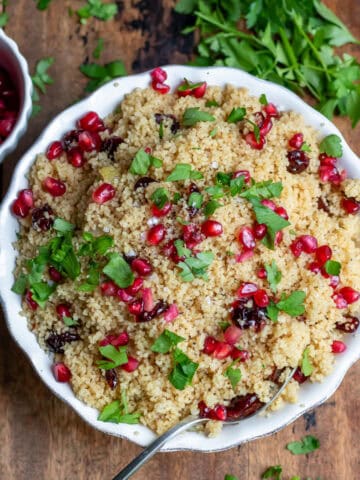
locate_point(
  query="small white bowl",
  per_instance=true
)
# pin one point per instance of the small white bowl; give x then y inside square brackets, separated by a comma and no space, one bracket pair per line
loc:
[15,64]
[104,101]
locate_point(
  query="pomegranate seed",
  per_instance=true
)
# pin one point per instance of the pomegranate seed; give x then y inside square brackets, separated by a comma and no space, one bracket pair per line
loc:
[242,173]
[160,87]
[148,300]
[232,334]
[222,350]
[63,310]
[158,75]
[75,157]
[296,141]
[124,296]
[30,301]
[6,125]
[161,212]
[199,91]
[242,355]
[131,365]
[192,235]
[91,122]
[242,257]
[220,412]
[282,212]
[323,254]
[331,174]
[141,266]
[278,237]
[314,267]
[210,344]
[55,275]
[103,193]
[350,205]
[247,238]
[108,289]
[26,197]
[340,301]
[271,110]
[184,93]
[251,140]
[89,141]
[326,160]
[171,313]
[260,231]
[298,161]
[266,127]
[269,204]
[136,307]
[261,298]
[334,281]
[299,376]
[56,188]
[61,372]
[54,150]
[350,326]
[338,347]
[22,205]
[156,234]
[246,290]
[350,295]
[115,340]
[19,209]
[203,409]
[261,273]
[211,228]
[135,287]
[296,247]
[309,243]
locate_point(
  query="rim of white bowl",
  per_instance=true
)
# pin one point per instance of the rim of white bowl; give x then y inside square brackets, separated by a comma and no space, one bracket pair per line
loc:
[311,395]
[19,129]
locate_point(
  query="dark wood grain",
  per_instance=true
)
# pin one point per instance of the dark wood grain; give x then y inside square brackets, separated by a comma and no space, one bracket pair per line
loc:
[40,437]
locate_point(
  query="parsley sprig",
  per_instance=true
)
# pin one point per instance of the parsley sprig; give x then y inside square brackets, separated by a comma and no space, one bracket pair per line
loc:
[193,266]
[40,80]
[307,445]
[292,304]
[118,412]
[98,9]
[142,162]
[100,74]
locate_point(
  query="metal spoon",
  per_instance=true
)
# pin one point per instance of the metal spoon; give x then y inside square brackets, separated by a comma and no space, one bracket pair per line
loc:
[185,424]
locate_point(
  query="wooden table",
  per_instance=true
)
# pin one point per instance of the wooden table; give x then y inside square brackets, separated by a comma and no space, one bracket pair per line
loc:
[40,437]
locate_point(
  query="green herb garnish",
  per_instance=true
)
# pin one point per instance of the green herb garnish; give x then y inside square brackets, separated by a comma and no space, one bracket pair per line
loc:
[63,226]
[119,270]
[273,276]
[117,357]
[142,162]
[40,80]
[332,267]
[183,371]
[211,103]
[42,4]
[183,171]
[273,472]
[306,366]
[195,200]
[166,341]
[230,477]
[98,9]
[307,445]
[236,115]
[331,145]
[186,85]
[99,48]
[100,74]
[117,412]
[263,100]
[211,207]
[159,197]
[193,266]
[267,189]
[194,115]
[233,374]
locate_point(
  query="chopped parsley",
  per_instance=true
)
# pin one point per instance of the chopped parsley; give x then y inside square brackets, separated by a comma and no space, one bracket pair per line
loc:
[186,85]
[193,266]
[213,132]
[273,276]
[211,207]
[92,278]
[159,197]
[263,100]
[331,145]
[183,171]
[161,130]
[274,473]
[230,477]
[292,304]
[176,198]
[42,4]
[99,48]
[118,412]
[233,374]
[70,322]
[98,9]
[195,200]
[305,147]
[211,103]
[40,80]
[95,245]
[261,190]
[166,341]
[194,115]
[117,357]
[61,225]
[332,267]
[236,115]
[4,18]
[307,445]
[224,325]
[306,365]
[142,162]
[183,371]
[100,74]
[119,270]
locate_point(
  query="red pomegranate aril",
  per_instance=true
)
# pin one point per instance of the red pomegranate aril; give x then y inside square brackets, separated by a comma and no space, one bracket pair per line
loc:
[278,237]
[340,301]
[54,187]
[211,228]
[334,281]
[210,344]
[184,93]
[261,298]
[282,212]
[252,141]
[131,365]
[199,91]
[338,347]
[309,243]
[75,157]
[161,212]
[269,204]
[327,160]
[220,412]
[296,141]
[242,173]
[89,141]
[22,205]
[61,372]
[350,205]
[222,350]
[160,87]
[271,110]
[63,310]
[265,127]
[55,275]
[120,340]
[148,300]
[297,247]
[103,193]
[171,313]
[246,289]
[141,266]
[124,296]
[158,75]
[19,209]
[30,301]
[136,307]
[135,287]
[260,230]
[6,125]
[242,355]
[261,273]
[350,326]
[232,334]
[203,409]
[108,289]
[156,234]
[54,150]
[192,235]
[299,376]
[244,256]
[314,267]
[26,196]
[247,238]
[323,254]
[350,295]
[91,122]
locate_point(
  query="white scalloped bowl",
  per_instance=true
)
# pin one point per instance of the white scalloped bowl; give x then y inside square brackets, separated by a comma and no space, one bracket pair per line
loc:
[15,64]
[104,101]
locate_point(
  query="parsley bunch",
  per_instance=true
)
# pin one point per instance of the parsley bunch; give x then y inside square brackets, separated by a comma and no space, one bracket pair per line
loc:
[292,44]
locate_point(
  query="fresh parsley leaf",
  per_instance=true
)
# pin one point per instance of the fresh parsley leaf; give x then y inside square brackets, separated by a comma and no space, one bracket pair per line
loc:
[4,18]
[195,200]
[211,207]
[98,9]
[142,162]
[233,374]
[194,115]
[185,6]
[161,130]
[166,341]
[236,115]
[211,103]
[224,325]
[273,276]
[196,266]
[116,412]
[63,226]
[267,189]
[183,371]
[99,48]
[181,250]
[305,147]
[274,473]
[332,267]
[20,284]
[292,304]
[331,145]
[272,311]
[159,197]
[42,4]
[236,185]
[183,171]
[213,132]
[119,270]
[263,99]
[230,477]
[215,192]
[307,445]
[176,198]
[41,292]
[306,366]
[70,322]
[40,80]
[100,74]
[117,357]
[186,85]
[223,179]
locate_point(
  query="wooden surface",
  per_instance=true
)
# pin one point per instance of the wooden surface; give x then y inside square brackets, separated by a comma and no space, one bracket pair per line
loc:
[40,437]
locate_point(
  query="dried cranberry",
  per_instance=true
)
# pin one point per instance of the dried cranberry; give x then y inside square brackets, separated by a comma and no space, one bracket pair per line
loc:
[143,182]
[249,315]
[42,218]
[298,161]
[158,310]
[56,341]
[175,124]
[110,145]
[350,326]
[111,378]
[243,406]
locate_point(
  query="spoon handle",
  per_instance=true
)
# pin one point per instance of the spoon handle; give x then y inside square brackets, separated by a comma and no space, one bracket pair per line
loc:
[155,446]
